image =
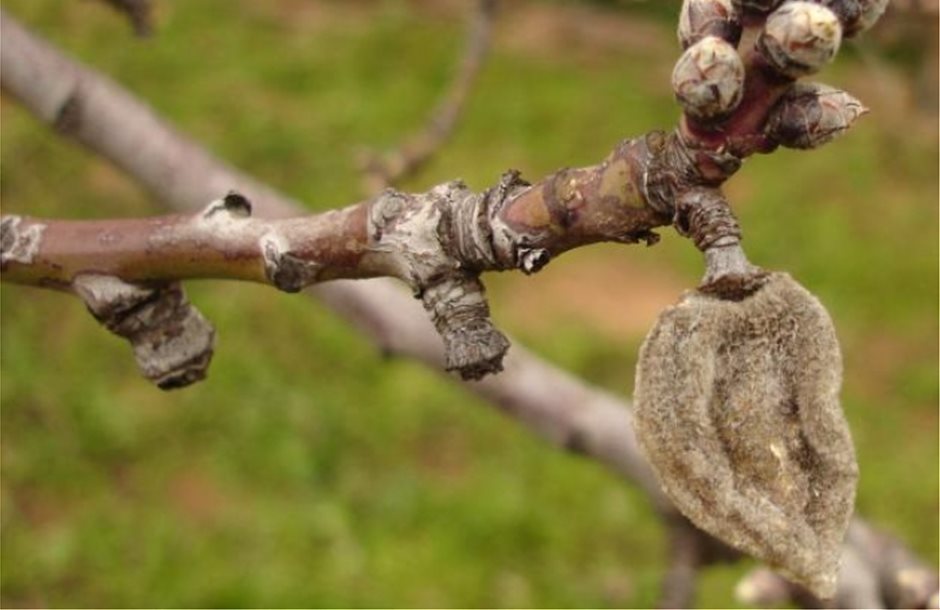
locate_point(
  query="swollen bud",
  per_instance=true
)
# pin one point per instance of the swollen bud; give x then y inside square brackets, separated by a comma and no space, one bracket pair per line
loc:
[708,79]
[868,13]
[856,16]
[811,115]
[756,7]
[701,18]
[800,38]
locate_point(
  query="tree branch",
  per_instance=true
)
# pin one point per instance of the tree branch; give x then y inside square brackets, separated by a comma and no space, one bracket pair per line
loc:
[556,406]
[553,404]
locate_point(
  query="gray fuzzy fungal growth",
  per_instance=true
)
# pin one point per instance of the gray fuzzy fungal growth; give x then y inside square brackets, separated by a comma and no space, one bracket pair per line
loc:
[737,408]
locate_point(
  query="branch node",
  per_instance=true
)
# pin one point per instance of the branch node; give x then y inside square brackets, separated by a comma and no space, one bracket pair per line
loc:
[284,269]
[68,117]
[705,216]
[234,204]
[675,167]
[532,260]
[173,343]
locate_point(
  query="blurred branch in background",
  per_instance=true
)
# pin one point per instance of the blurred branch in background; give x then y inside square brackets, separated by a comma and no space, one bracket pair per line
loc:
[138,12]
[381,170]
[910,34]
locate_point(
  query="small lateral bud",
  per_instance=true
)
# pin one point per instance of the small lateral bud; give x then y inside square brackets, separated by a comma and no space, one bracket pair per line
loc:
[800,38]
[870,11]
[856,16]
[756,7]
[701,18]
[708,79]
[812,114]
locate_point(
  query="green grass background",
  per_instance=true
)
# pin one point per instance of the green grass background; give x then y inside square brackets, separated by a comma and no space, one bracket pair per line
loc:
[308,470]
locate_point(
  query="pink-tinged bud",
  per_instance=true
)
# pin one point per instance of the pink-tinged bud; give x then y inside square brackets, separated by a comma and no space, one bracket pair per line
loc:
[811,115]
[856,16]
[800,38]
[708,79]
[701,18]
[756,7]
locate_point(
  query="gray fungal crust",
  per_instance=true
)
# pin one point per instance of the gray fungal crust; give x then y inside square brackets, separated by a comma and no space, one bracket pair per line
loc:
[18,244]
[173,343]
[737,408]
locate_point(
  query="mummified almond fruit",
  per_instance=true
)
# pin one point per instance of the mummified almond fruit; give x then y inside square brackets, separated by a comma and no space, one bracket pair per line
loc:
[737,408]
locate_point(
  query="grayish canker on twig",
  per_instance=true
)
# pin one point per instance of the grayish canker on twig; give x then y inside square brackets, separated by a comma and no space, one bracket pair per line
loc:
[737,409]
[173,343]
[16,244]
[438,242]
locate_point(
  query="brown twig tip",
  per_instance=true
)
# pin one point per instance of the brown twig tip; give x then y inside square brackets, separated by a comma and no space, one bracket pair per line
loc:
[139,12]
[811,114]
[799,38]
[708,79]
[173,343]
[472,345]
